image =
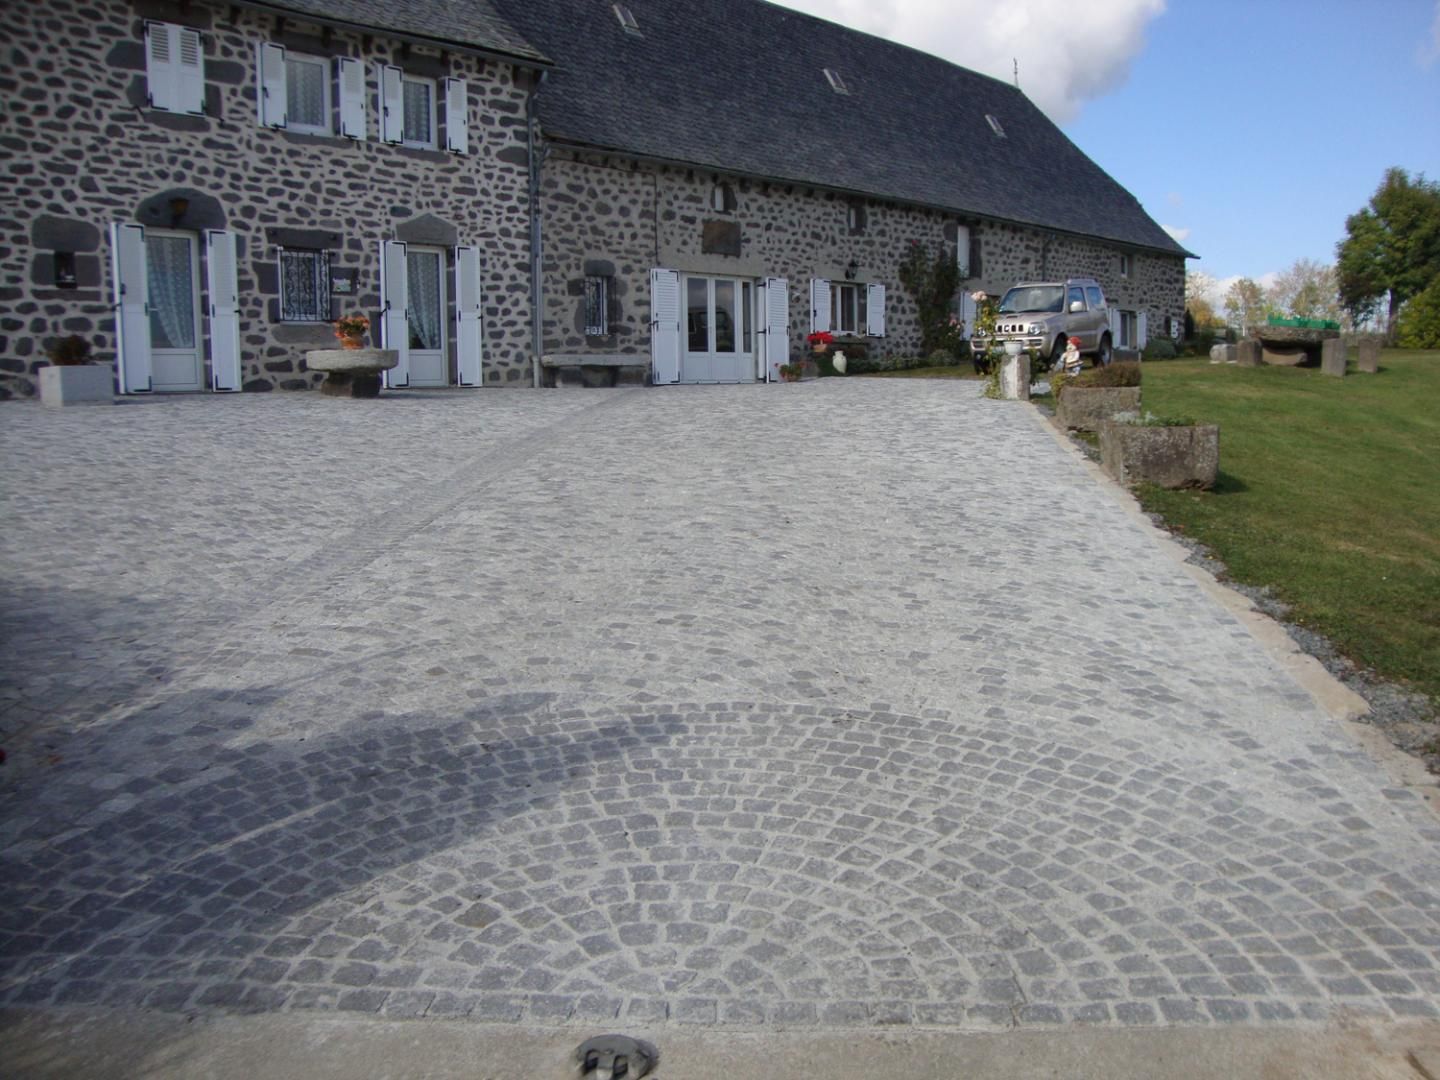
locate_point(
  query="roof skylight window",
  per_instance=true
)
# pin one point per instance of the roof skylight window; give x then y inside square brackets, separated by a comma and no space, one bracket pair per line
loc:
[627,19]
[995,125]
[836,82]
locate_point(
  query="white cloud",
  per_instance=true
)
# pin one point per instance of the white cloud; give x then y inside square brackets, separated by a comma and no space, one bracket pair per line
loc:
[1069,53]
[1174,198]
[1178,234]
[1430,49]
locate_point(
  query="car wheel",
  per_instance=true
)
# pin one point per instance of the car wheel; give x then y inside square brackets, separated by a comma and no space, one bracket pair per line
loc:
[1057,354]
[1106,354]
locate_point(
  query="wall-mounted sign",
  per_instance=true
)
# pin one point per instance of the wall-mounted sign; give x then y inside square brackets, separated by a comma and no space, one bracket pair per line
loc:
[342,282]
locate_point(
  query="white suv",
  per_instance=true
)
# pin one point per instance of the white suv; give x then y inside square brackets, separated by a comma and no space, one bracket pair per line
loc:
[1043,315]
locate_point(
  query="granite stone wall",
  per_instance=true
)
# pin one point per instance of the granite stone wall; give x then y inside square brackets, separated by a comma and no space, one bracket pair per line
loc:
[81,148]
[612,216]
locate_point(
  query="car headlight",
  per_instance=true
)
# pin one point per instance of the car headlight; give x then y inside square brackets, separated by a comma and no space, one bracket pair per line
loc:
[1036,329]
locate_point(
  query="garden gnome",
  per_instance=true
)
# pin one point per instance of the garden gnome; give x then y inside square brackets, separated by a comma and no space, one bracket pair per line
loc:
[1071,356]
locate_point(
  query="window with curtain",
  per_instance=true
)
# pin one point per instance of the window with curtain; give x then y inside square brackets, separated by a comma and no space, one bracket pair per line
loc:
[307,94]
[419,107]
[847,308]
[304,285]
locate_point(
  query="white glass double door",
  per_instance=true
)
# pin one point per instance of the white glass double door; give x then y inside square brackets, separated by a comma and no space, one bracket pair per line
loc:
[172,266]
[718,331]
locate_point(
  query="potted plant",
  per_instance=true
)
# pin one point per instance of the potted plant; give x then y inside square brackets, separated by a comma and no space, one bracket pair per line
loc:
[350,329]
[1167,451]
[72,379]
[820,340]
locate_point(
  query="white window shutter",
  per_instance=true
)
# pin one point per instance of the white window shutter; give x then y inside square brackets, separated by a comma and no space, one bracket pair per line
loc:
[394,309]
[223,283]
[190,72]
[270,92]
[968,310]
[132,306]
[1115,328]
[875,310]
[1140,334]
[469,326]
[777,327]
[457,116]
[161,64]
[962,250]
[665,311]
[351,78]
[392,104]
[819,305]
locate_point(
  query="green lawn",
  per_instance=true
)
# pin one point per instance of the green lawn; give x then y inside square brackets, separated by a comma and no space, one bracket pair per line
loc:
[1329,492]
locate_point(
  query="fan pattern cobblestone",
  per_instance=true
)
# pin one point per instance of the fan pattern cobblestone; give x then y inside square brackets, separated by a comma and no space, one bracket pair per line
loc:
[857,704]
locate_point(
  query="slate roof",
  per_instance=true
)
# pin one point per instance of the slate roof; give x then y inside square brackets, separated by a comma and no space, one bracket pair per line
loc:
[739,85]
[472,24]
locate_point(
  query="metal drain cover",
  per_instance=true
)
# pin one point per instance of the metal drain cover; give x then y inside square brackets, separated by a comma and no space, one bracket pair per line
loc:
[615,1057]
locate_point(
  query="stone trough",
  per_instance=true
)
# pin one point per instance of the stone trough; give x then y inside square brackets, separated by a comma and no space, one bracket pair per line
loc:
[1288,346]
[353,373]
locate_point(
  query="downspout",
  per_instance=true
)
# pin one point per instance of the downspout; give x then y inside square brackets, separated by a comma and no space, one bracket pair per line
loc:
[534,155]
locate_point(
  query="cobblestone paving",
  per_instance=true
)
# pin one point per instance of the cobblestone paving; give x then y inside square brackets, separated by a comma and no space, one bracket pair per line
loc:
[842,704]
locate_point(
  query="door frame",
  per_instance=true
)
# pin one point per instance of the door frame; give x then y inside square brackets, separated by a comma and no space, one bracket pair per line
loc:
[744,360]
[201,361]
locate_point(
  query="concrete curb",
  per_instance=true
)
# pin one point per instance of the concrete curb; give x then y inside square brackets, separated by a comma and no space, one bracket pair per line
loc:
[100,1046]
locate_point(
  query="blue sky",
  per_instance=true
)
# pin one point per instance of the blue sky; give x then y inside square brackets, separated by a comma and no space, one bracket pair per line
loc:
[1260,126]
[1252,129]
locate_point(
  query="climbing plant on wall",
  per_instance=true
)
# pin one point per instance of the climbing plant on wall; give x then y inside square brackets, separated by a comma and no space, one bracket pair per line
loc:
[931,283]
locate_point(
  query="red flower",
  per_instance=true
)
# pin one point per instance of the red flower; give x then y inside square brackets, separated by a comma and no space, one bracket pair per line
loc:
[821,337]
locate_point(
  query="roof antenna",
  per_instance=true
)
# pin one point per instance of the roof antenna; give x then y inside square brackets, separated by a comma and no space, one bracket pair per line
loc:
[1016,61]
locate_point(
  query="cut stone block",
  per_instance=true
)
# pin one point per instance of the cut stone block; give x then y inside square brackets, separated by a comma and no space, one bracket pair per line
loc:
[1085,408]
[77,384]
[1172,457]
[1369,355]
[1247,353]
[1332,357]
[1015,378]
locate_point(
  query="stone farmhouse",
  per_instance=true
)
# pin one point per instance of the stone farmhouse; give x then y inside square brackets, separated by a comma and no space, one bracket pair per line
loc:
[517,192]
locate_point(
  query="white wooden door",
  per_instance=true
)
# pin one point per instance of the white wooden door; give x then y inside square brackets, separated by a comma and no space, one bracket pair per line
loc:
[173,280]
[132,306]
[665,319]
[777,327]
[223,285]
[469,326]
[394,299]
[427,304]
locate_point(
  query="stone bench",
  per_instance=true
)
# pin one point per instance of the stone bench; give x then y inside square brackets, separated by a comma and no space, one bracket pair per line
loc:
[595,369]
[353,373]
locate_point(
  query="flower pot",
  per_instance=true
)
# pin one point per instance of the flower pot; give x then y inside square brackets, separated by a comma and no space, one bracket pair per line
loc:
[1014,348]
[1085,408]
[352,342]
[1170,457]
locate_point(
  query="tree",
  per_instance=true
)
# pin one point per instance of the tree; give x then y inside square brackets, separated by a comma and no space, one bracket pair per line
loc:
[1245,303]
[1391,249]
[1306,290]
[1418,326]
[1200,289]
